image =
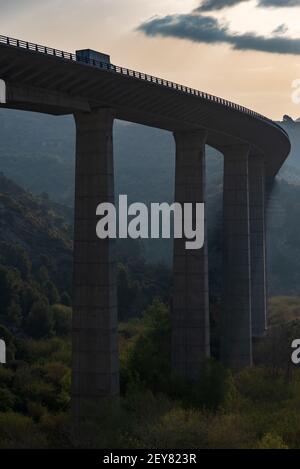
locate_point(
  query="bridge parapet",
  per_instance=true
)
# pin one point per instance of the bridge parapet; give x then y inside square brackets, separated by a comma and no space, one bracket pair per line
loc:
[106,65]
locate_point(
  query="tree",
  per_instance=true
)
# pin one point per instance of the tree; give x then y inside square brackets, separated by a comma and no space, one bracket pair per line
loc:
[42,274]
[126,292]
[7,400]
[29,294]
[12,255]
[39,323]
[14,314]
[65,299]
[62,319]
[149,357]
[10,284]
[51,292]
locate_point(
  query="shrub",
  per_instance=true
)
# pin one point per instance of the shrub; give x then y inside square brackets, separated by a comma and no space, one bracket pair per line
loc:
[213,388]
[178,428]
[271,441]
[18,431]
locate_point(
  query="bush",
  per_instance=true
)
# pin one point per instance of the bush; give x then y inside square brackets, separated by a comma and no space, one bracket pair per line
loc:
[18,431]
[213,387]
[271,441]
[177,429]
[259,385]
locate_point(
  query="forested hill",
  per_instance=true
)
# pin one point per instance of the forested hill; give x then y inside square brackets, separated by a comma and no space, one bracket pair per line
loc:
[41,227]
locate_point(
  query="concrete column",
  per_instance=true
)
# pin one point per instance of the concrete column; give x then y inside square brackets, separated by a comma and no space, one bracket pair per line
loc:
[190,311]
[258,244]
[236,334]
[95,370]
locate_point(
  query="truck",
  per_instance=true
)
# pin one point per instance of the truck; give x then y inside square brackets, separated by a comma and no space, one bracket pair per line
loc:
[92,56]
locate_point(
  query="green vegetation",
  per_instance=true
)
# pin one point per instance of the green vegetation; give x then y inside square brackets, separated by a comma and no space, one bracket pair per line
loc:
[256,408]
[29,302]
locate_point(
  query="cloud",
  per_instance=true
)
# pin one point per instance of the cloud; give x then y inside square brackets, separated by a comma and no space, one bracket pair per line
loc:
[213,5]
[279,3]
[196,28]
[281,29]
[206,29]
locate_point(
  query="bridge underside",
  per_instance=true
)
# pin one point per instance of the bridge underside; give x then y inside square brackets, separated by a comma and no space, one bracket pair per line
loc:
[253,148]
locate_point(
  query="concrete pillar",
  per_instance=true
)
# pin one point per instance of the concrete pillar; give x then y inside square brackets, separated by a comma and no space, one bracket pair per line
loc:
[236,334]
[190,310]
[95,370]
[258,244]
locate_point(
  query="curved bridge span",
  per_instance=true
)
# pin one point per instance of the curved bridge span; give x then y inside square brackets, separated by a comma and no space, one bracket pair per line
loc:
[88,84]
[43,79]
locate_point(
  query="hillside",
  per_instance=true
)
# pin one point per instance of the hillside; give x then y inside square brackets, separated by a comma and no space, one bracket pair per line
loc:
[41,227]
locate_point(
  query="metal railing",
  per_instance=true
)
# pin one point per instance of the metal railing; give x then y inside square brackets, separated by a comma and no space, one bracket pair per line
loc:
[131,73]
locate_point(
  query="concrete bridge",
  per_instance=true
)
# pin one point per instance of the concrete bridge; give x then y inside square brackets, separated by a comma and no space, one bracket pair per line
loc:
[50,81]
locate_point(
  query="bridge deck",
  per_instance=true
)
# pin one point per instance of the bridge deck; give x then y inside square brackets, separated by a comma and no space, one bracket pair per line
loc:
[48,80]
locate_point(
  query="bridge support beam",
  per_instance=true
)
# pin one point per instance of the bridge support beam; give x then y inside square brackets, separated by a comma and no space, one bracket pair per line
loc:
[95,370]
[258,244]
[236,333]
[190,311]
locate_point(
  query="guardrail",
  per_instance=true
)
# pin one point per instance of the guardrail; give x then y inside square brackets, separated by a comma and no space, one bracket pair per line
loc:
[130,73]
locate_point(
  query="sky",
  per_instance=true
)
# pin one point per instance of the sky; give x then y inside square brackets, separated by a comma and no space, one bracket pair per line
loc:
[247,51]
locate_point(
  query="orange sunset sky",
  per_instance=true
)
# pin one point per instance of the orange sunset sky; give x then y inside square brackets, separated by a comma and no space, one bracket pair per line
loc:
[254,78]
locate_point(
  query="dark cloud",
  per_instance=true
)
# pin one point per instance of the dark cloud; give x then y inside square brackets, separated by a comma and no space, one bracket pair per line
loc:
[213,5]
[279,3]
[196,28]
[206,29]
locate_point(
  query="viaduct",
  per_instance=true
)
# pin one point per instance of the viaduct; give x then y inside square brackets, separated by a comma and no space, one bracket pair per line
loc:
[87,85]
